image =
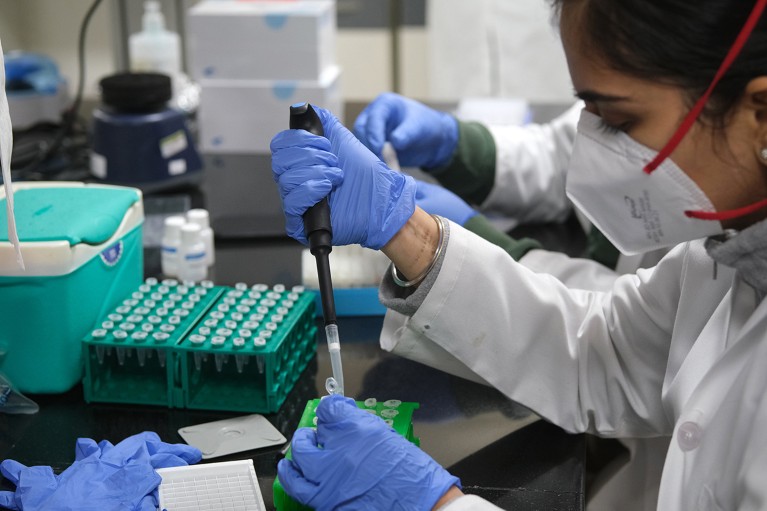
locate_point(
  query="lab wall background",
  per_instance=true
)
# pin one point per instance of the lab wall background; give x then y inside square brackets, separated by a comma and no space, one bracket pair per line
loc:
[445,49]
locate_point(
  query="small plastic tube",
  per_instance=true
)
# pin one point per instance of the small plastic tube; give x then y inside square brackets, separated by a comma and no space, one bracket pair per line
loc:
[334,384]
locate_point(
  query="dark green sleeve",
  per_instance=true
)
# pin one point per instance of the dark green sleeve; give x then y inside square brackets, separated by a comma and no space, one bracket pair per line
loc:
[600,249]
[471,171]
[482,227]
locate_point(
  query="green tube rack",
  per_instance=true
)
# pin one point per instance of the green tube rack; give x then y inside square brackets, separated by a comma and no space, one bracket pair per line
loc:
[397,414]
[185,345]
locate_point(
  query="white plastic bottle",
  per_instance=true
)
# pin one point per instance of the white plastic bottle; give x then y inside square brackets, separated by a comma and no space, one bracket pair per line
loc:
[202,218]
[155,48]
[171,245]
[192,265]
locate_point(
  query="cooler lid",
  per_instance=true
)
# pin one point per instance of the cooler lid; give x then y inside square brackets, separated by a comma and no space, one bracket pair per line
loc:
[80,214]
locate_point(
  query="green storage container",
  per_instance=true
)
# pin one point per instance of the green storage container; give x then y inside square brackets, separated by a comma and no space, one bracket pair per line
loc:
[82,250]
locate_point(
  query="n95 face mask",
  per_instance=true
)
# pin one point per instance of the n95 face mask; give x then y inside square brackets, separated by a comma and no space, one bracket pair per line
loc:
[637,211]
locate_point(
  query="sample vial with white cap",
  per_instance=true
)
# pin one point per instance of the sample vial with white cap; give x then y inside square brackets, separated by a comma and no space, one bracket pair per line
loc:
[202,218]
[192,265]
[171,243]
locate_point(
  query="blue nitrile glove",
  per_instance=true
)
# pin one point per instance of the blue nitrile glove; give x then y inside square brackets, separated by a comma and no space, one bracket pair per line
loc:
[103,476]
[422,136]
[438,200]
[369,202]
[355,461]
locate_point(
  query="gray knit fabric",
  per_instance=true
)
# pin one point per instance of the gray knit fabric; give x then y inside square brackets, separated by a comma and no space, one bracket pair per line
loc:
[746,251]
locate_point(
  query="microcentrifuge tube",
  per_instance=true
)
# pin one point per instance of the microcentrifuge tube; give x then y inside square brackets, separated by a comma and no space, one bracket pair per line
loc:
[241,286]
[167,328]
[175,297]
[169,282]
[237,316]
[120,356]
[197,339]
[142,310]
[135,318]
[250,325]
[260,287]
[99,333]
[147,327]
[139,336]
[245,333]
[297,289]
[160,337]
[168,304]
[115,317]
[279,288]
[137,295]
[123,309]
[230,324]
[174,320]
[207,284]
[120,335]
[218,340]
[108,325]
[100,354]
[371,402]
[223,332]
[220,360]
[151,281]
[241,361]
[389,422]
[193,298]
[259,341]
[141,357]
[370,411]
[149,304]
[144,288]
[389,413]
[260,363]
[187,305]
[392,403]
[161,357]
[217,315]
[163,289]
[197,360]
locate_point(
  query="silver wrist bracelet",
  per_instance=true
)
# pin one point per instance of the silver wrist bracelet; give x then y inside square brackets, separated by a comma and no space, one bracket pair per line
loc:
[417,280]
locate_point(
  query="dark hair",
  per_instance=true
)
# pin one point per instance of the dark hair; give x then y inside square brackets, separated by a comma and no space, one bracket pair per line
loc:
[678,42]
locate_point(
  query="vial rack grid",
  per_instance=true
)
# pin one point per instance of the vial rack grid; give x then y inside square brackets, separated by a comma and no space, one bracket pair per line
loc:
[201,346]
[397,414]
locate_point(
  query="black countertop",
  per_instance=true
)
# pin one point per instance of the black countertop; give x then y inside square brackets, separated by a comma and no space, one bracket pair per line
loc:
[500,450]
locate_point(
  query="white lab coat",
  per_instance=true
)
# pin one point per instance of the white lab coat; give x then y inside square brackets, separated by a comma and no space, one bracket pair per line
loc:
[671,348]
[531,170]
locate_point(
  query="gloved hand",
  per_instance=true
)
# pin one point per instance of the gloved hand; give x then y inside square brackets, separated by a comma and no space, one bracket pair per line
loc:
[438,200]
[369,202]
[422,136]
[103,476]
[355,461]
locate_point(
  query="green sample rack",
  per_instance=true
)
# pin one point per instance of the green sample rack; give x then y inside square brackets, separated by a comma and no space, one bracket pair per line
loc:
[202,346]
[397,414]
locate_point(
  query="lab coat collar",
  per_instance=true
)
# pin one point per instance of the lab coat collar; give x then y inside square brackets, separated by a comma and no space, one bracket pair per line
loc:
[746,251]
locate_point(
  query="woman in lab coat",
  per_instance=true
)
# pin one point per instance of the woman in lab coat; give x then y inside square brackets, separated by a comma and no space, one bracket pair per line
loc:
[668,151]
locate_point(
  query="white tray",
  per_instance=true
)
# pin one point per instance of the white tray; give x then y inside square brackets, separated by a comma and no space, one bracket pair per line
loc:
[229,485]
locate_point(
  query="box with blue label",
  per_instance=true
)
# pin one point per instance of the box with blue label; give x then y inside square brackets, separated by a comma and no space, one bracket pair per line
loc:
[82,250]
[264,40]
[242,116]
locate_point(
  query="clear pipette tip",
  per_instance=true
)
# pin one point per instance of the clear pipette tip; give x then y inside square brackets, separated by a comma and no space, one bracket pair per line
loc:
[334,384]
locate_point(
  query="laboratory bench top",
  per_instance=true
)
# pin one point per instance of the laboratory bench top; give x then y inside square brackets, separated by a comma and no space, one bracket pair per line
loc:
[499,449]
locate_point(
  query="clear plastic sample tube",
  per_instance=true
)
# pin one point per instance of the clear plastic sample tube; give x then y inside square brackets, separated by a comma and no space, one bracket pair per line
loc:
[334,384]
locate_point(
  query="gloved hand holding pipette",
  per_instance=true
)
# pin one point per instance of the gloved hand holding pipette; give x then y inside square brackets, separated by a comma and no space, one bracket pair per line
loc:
[102,477]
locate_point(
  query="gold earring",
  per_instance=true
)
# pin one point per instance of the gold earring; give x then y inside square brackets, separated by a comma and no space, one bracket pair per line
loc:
[763,154]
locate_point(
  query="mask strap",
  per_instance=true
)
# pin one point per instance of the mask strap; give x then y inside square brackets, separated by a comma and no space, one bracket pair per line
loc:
[729,214]
[693,114]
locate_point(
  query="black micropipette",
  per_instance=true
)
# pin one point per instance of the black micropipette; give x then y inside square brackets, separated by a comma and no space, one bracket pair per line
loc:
[319,233]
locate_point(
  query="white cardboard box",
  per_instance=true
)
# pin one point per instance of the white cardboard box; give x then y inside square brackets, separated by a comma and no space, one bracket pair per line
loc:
[242,116]
[265,40]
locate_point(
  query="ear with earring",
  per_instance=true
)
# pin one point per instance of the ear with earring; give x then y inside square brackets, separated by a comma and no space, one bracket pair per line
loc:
[763,154]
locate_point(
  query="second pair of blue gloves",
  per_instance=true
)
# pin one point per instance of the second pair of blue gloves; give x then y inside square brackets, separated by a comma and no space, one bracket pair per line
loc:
[103,477]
